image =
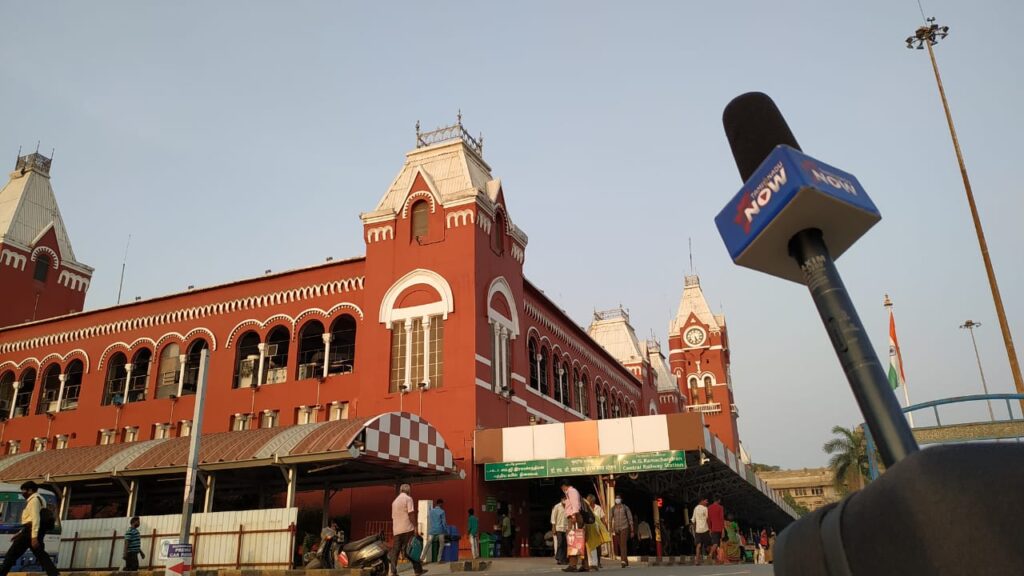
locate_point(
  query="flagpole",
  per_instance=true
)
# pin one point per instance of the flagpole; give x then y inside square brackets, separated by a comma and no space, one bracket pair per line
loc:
[887,303]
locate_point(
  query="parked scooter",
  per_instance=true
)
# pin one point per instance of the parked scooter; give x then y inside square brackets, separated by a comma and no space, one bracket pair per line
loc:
[370,552]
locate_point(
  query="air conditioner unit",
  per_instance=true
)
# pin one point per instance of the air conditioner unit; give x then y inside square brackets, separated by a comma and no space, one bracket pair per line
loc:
[270,350]
[276,375]
[246,373]
[53,406]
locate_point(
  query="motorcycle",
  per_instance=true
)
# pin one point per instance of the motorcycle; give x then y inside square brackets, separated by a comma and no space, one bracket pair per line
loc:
[370,552]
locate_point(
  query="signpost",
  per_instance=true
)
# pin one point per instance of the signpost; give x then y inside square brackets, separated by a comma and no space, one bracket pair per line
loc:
[178,559]
[193,452]
[587,466]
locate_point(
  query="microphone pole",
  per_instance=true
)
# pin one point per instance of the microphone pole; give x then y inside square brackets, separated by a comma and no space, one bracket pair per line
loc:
[867,380]
[794,209]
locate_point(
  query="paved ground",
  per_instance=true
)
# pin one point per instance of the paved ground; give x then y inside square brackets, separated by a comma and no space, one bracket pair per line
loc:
[538,566]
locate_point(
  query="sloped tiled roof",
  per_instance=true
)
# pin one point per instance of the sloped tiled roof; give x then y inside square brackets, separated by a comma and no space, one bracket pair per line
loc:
[612,330]
[28,207]
[693,302]
[263,446]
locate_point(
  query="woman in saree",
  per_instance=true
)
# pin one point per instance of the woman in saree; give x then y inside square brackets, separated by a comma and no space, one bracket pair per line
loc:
[732,545]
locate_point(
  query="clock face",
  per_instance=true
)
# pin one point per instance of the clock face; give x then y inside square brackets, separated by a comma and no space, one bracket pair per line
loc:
[695,336]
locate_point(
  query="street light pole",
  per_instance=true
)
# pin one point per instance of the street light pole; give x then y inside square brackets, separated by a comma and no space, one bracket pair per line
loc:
[926,37]
[970,325]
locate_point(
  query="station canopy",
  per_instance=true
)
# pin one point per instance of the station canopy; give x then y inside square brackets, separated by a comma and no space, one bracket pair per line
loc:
[673,455]
[361,451]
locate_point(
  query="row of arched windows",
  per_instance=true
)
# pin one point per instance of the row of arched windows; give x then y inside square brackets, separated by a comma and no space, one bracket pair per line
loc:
[320,353]
[127,377]
[556,378]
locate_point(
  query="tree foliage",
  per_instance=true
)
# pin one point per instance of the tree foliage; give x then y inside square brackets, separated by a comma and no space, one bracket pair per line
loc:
[848,458]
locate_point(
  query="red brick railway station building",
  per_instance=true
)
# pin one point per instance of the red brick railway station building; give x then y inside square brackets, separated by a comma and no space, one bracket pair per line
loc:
[436,319]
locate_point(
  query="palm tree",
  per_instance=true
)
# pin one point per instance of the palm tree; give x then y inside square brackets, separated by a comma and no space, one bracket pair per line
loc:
[849,459]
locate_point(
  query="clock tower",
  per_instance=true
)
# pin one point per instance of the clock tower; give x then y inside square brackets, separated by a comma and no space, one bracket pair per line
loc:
[699,360]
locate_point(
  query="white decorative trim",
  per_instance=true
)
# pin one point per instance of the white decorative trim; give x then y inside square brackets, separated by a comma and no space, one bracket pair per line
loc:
[376,234]
[13,259]
[54,260]
[429,195]
[17,367]
[482,360]
[460,218]
[485,222]
[127,348]
[189,314]
[568,409]
[73,281]
[484,384]
[517,253]
[500,285]
[519,378]
[65,357]
[388,312]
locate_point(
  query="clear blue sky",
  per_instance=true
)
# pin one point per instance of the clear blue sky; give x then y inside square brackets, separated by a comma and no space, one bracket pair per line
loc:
[232,137]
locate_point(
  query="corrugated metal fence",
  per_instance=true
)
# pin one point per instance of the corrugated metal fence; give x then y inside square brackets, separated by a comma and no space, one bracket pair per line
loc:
[248,538]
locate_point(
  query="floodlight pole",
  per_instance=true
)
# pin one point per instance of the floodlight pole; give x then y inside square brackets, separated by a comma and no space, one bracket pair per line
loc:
[926,37]
[970,325]
[193,451]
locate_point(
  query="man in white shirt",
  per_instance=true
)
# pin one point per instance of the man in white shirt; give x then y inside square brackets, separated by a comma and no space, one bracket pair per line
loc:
[30,535]
[701,534]
[558,527]
[403,522]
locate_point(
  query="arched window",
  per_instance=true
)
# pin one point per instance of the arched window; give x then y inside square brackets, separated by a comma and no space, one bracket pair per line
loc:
[342,356]
[275,363]
[563,383]
[194,353]
[584,399]
[168,370]
[542,369]
[534,372]
[50,390]
[116,374]
[694,398]
[602,399]
[708,391]
[247,360]
[6,393]
[420,223]
[138,380]
[42,269]
[616,406]
[23,399]
[311,350]
[72,385]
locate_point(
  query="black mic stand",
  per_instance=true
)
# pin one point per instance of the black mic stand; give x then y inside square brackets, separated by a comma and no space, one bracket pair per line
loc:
[870,386]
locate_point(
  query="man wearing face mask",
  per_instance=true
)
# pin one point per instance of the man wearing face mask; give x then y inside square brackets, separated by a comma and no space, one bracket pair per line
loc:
[622,528]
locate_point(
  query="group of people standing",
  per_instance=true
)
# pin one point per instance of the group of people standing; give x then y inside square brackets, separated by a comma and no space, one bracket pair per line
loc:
[581,527]
[718,538]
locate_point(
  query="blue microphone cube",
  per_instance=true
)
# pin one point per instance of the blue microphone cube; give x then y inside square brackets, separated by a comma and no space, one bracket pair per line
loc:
[790,192]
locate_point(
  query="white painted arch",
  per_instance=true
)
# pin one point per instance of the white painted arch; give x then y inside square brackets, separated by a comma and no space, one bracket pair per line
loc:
[444,307]
[500,285]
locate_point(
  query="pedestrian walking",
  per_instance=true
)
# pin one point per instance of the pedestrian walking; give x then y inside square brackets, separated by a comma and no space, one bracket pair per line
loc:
[701,535]
[645,535]
[574,522]
[437,530]
[35,522]
[403,522]
[559,525]
[716,525]
[132,546]
[622,528]
[473,532]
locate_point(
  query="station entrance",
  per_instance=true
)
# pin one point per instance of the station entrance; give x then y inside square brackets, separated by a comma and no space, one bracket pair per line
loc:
[661,466]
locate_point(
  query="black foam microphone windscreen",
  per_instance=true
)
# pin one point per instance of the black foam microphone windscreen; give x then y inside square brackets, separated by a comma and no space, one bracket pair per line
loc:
[754,127]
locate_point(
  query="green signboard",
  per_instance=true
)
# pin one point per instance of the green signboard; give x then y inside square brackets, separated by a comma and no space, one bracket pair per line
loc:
[587,466]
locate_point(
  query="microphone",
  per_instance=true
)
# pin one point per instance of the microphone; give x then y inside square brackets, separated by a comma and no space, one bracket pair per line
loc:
[791,216]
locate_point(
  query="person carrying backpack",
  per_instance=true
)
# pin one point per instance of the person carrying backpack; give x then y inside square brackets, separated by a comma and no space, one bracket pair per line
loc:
[36,519]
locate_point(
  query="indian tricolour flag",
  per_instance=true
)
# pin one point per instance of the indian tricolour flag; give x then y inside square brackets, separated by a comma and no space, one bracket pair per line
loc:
[896,376]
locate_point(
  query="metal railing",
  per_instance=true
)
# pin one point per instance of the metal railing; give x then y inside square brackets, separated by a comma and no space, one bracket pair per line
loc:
[708,408]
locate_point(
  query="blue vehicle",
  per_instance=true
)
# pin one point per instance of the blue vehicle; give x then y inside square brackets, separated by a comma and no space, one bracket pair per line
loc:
[11,506]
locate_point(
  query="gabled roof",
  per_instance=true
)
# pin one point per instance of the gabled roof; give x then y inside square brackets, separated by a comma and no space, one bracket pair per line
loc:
[451,168]
[28,207]
[662,374]
[693,302]
[611,329]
